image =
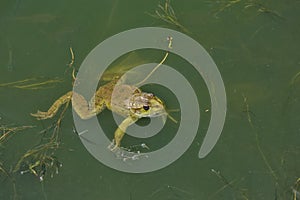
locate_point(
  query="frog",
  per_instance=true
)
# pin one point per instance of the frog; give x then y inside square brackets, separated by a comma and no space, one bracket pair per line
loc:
[126,100]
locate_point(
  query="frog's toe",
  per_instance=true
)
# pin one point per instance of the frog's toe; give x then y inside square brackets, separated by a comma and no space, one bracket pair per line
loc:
[40,115]
[113,147]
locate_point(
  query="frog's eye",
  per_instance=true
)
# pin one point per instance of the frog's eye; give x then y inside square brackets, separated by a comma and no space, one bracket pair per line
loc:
[146,107]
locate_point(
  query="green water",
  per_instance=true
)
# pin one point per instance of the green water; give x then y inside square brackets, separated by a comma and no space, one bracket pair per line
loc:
[256,50]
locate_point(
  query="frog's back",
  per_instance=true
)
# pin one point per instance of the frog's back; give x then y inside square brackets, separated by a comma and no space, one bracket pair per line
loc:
[115,96]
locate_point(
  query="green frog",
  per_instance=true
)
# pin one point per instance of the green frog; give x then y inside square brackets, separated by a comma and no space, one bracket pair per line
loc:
[126,100]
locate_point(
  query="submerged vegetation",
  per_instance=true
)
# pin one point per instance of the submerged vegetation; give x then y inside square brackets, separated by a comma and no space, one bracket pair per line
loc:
[241,193]
[294,79]
[286,184]
[37,161]
[296,189]
[33,83]
[257,5]
[6,132]
[41,159]
[166,13]
[283,190]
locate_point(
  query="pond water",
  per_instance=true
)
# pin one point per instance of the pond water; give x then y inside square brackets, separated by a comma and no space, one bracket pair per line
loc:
[254,44]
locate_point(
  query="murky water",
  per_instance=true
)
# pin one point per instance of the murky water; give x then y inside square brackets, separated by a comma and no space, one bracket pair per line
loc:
[255,45]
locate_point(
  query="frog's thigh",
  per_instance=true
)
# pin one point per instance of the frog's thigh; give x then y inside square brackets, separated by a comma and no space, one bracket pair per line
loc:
[119,133]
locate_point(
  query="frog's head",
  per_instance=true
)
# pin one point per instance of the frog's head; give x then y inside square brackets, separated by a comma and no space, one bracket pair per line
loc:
[146,105]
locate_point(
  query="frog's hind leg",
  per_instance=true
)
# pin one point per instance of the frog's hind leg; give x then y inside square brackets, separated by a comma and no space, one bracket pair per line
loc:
[54,108]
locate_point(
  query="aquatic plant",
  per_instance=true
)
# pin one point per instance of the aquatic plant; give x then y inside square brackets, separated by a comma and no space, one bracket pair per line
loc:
[262,154]
[283,187]
[37,162]
[296,189]
[6,131]
[262,9]
[166,13]
[41,159]
[33,83]
[259,7]
[242,193]
[225,5]
[294,79]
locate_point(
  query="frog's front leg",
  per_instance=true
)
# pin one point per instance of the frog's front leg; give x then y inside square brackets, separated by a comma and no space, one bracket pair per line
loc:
[54,108]
[119,133]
